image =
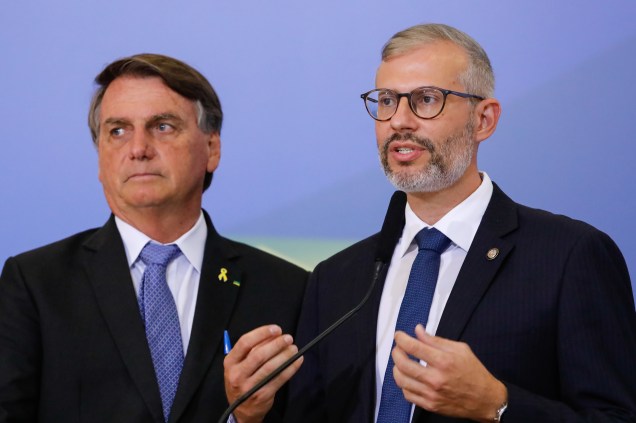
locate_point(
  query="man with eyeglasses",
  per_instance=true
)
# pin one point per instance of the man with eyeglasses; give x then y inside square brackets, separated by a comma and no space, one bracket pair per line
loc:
[487,310]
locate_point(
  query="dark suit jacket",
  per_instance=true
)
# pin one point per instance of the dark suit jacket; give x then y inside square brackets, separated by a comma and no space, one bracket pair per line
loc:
[552,316]
[72,342]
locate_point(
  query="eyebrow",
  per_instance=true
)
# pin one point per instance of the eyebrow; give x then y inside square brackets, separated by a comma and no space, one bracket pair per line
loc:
[163,117]
[115,122]
[118,121]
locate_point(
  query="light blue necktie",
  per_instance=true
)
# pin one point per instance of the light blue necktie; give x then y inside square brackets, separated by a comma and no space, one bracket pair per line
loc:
[416,304]
[161,320]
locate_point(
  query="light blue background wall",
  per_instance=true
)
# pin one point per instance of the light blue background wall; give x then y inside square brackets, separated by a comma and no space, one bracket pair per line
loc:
[307,169]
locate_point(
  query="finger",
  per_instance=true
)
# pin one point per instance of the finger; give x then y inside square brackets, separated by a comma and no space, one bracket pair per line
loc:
[268,391]
[414,390]
[420,384]
[408,367]
[404,381]
[416,348]
[260,402]
[274,358]
[287,374]
[239,367]
[264,356]
[251,339]
[449,350]
[241,376]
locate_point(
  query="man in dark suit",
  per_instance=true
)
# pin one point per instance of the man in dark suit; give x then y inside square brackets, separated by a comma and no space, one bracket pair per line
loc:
[95,328]
[525,316]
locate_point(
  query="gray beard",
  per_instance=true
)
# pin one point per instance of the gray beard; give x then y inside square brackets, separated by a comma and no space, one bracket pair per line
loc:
[447,164]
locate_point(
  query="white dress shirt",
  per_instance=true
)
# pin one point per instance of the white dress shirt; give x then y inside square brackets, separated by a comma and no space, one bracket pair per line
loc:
[459,225]
[182,274]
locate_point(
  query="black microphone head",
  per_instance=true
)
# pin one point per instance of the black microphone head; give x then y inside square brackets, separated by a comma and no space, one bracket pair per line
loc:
[392,227]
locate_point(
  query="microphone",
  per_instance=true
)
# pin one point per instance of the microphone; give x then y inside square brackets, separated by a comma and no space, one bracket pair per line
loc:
[389,235]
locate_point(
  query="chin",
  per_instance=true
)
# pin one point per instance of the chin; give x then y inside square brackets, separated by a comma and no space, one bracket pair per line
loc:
[145,199]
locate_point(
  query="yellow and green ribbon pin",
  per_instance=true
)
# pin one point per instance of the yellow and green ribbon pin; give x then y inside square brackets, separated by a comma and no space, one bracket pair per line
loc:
[223,277]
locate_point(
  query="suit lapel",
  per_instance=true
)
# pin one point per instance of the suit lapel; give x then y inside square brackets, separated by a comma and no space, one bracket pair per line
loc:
[480,267]
[109,275]
[215,302]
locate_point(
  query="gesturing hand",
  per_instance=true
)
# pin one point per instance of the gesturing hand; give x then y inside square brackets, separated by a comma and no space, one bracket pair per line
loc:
[453,382]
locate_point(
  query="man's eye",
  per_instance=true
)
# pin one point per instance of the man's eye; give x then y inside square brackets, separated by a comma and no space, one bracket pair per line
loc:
[428,98]
[117,132]
[164,127]
[386,101]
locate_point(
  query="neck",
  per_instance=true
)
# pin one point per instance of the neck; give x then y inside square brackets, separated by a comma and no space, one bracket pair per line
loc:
[430,207]
[161,226]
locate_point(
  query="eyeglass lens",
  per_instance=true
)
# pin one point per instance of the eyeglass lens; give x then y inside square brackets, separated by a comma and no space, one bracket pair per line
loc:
[425,102]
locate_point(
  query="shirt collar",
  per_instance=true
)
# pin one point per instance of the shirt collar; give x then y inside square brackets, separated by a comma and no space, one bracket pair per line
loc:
[191,244]
[459,224]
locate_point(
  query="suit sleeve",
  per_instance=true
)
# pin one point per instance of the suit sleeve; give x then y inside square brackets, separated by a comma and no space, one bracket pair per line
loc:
[597,342]
[20,348]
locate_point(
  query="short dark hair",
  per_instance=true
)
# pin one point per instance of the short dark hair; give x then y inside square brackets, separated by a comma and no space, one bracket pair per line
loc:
[177,75]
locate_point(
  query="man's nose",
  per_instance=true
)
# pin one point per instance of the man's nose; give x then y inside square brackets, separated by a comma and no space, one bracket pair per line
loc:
[404,118]
[141,145]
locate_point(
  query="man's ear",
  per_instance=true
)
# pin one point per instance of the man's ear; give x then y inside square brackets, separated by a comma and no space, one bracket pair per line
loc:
[214,151]
[486,115]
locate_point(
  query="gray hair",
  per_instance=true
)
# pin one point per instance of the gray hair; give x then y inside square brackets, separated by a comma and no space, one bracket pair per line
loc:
[478,78]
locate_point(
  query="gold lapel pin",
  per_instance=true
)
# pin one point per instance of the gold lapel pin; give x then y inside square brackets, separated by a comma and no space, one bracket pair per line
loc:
[492,253]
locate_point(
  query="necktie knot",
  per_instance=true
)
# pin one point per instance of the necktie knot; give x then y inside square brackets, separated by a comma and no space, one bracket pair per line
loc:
[159,254]
[432,239]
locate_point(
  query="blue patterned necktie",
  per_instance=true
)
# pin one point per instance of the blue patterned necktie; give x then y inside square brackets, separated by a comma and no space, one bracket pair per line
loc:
[161,320]
[416,304]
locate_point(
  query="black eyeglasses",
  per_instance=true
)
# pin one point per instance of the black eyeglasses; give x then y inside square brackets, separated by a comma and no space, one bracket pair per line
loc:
[425,102]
